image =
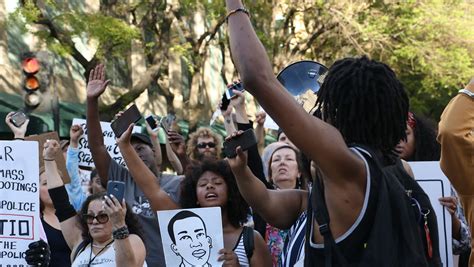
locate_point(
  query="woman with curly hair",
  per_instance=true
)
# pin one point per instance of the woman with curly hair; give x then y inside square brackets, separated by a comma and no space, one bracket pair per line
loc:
[206,184]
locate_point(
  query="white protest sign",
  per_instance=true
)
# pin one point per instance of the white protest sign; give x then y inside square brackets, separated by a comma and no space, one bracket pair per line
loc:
[85,156]
[269,122]
[429,176]
[19,202]
[191,236]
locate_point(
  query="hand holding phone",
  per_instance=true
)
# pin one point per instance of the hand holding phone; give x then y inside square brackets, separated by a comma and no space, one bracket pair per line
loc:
[151,120]
[120,125]
[246,140]
[117,189]
[234,86]
[167,121]
[18,118]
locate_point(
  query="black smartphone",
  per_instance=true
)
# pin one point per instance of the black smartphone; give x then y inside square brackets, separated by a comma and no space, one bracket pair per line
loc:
[120,125]
[117,189]
[167,121]
[245,141]
[235,86]
[152,122]
[18,118]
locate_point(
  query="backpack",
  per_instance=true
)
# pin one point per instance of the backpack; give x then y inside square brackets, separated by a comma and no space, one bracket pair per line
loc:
[394,238]
[248,241]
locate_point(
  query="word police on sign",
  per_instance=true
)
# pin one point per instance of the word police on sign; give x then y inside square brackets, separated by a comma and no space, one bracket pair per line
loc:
[19,203]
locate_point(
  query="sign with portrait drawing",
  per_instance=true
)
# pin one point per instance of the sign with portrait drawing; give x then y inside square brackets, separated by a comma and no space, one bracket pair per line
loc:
[191,237]
[19,201]
[85,156]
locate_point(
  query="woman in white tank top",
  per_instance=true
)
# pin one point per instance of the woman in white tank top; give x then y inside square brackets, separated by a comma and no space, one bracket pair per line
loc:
[106,233]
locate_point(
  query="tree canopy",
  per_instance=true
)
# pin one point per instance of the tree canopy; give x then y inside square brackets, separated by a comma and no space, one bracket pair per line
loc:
[429,43]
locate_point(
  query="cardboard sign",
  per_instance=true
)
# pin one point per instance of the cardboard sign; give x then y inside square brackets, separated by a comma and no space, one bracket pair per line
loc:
[429,176]
[19,202]
[85,156]
[60,161]
[191,236]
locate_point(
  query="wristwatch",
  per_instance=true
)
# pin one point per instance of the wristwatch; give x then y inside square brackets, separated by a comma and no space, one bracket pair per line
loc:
[466,92]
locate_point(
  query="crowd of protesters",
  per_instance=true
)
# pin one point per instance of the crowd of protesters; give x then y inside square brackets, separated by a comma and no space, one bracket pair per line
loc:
[334,190]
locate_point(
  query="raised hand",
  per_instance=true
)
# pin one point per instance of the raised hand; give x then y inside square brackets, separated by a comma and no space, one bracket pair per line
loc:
[51,149]
[126,136]
[75,132]
[19,132]
[97,83]
[238,163]
[115,210]
[260,117]
[177,143]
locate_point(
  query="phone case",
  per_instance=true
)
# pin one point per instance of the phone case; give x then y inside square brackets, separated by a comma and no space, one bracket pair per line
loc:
[246,140]
[120,125]
[152,122]
[18,118]
[117,189]
[235,86]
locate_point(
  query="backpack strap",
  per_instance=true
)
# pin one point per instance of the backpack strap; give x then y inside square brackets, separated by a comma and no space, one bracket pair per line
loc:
[79,249]
[248,241]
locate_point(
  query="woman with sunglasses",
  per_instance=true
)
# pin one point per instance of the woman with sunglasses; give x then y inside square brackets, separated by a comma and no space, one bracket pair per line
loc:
[105,234]
[207,184]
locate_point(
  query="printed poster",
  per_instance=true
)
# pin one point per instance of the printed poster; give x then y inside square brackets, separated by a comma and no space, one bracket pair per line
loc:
[191,237]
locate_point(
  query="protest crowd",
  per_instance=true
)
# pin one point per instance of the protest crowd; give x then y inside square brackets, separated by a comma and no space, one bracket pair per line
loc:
[336,189]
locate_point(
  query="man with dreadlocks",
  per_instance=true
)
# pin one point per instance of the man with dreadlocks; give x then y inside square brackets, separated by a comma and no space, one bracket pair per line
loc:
[372,222]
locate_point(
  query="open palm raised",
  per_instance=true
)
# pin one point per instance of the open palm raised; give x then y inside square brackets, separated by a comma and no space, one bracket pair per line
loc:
[97,83]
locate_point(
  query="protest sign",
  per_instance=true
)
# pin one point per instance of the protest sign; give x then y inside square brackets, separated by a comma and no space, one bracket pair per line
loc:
[59,158]
[429,176]
[19,203]
[85,156]
[191,236]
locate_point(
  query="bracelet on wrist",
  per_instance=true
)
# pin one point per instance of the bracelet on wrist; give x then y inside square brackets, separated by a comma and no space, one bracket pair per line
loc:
[45,159]
[19,138]
[234,11]
[466,92]
[121,233]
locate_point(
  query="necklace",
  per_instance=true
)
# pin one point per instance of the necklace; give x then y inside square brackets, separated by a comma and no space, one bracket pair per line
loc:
[102,249]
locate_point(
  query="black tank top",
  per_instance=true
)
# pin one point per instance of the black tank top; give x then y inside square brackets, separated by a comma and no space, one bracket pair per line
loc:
[354,243]
[60,252]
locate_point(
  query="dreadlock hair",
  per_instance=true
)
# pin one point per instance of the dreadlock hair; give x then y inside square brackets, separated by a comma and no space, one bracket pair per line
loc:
[426,146]
[366,102]
[236,206]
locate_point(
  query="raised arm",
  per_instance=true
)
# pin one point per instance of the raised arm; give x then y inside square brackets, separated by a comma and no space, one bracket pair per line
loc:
[18,132]
[179,148]
[74,188]
[145,179]
[270,204]
[64,210]
[173,159]
[95,87]
[260,131]
[129,249]
[156,145]
[320,141]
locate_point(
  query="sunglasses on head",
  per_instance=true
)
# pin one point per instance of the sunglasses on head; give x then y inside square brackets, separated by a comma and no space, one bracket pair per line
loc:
[101,218]
[204,145]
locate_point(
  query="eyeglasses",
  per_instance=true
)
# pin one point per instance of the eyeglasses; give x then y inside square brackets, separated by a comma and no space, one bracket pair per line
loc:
[101,218]
[204,145]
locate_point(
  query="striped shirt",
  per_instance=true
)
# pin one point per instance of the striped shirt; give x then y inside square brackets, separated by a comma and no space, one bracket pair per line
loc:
[293,250]
[240,251]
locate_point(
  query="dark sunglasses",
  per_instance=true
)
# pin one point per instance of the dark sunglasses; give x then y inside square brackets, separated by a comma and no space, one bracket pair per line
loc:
[101,218]
[204,145]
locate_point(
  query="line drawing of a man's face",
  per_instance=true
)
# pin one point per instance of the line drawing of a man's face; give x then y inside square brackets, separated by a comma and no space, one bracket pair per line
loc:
[190,240]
